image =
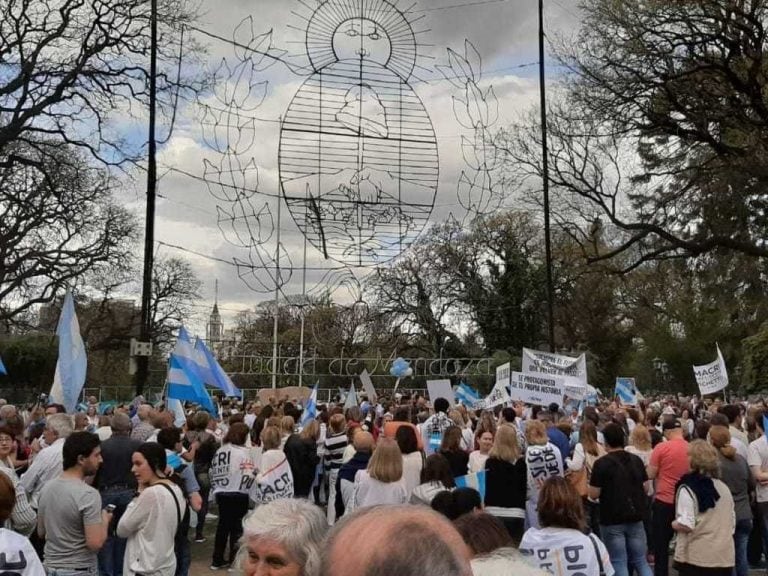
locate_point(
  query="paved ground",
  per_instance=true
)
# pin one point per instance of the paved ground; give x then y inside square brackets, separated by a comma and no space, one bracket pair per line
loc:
[201,553]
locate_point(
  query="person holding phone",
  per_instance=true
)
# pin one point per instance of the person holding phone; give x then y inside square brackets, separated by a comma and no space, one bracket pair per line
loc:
[69,515]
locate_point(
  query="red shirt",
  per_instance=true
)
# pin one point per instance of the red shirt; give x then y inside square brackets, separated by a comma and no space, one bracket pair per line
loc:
[671,460]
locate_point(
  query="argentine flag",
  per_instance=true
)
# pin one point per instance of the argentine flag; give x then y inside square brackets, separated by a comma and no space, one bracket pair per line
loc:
[72,364]
[626,390]
[185,381]
[467,395]
[310,412]
[475,480]
[212,372]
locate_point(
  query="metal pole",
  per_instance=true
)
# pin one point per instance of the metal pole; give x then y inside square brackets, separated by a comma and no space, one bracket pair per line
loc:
[302,311]
[142,365]
[545,181]
[277,297]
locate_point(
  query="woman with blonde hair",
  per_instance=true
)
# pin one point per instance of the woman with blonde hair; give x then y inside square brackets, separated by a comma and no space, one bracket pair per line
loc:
[640,443]
[543,461]
[735,473]
[467,438]
[382,482]
[506,481]
[704,518]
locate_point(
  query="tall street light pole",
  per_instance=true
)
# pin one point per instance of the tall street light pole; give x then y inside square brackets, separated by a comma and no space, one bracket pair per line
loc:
[545,182]
[142,371]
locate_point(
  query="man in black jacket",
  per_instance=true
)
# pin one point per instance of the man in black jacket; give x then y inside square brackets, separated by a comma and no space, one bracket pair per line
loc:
[345,482]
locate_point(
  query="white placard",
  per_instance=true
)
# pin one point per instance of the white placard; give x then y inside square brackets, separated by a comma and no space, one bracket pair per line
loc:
[370,391]
[540,389]
[502,373]
[441,389]
[712,377]
[499,395]
[555,364]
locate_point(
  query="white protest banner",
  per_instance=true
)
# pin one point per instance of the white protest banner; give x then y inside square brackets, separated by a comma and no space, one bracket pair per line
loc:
[712,377]
[539,389]
[555,364]
[441,389]
[365,378]
[502,373]
[498,395]
[273,484]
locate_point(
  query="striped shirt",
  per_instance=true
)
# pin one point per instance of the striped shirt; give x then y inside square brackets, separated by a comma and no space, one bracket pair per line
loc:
[334,450]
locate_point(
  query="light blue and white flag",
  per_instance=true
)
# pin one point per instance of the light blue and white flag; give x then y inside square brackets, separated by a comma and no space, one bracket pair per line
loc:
[466,394]
[72,364]
[2,368]
[185,381]
[212,372]
[626,391]
[179,418]
[310,411]
[351,398]
[475,480]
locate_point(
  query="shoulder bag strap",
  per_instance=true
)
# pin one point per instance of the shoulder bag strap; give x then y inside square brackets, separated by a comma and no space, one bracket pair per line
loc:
[597,555]
[175,501]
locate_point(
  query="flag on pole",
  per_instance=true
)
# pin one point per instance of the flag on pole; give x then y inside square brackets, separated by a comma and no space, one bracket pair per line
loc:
[212,372]
[466,394]
[72,363]
[2,368]
[626,391]
[185,381]
[351,398]
[175,407]
[310,412]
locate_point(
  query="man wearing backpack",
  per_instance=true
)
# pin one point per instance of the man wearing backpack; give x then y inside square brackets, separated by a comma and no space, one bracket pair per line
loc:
[619,481]
[432,430]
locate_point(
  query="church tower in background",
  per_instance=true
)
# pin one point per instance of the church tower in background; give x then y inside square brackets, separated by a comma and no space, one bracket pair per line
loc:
[214,330]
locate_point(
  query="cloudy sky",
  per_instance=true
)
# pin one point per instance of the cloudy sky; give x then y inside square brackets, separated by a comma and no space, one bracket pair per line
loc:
[504,33]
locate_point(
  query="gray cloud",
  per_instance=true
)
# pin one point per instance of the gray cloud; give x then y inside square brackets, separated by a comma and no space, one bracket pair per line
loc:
[505,34]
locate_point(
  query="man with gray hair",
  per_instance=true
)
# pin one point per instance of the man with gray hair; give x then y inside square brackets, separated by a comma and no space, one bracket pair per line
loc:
[117,485]
[144,428]
[402,540]
[48,462]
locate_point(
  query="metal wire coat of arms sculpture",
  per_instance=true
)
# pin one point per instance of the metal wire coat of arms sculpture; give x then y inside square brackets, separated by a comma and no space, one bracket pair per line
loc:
[358,156]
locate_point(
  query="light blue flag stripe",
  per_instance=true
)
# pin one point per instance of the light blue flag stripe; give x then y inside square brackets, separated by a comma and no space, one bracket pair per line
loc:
[213,374]
[475,480]
[626,391]
[310,412]
[185,381]
[466,394]
[72,364]
[2,368]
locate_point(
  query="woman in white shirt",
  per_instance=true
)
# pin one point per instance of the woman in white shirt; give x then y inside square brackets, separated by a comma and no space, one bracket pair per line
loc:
[382,482]
[477,458]
[543,461]
[151,519]
[413,458]
[232,479]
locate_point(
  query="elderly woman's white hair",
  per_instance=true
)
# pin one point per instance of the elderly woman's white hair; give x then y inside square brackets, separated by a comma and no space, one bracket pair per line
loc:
[298,525]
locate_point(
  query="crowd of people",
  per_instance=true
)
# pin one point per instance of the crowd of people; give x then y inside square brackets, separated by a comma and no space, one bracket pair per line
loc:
[399,486]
